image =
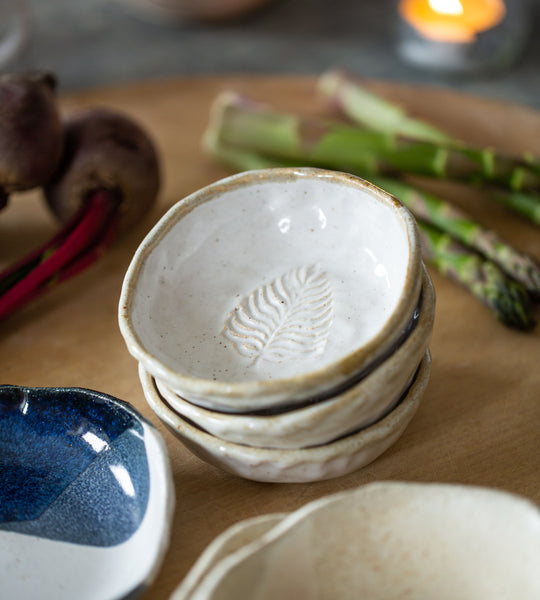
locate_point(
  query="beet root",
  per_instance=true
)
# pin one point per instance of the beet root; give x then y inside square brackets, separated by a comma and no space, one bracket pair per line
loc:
[108,178]
[104,149]
[31,133]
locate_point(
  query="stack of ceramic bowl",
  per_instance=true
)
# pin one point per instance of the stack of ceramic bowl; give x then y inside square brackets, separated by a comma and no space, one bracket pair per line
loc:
[281,320]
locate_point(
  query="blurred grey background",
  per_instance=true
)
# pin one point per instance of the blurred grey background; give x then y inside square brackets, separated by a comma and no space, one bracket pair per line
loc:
[103,42]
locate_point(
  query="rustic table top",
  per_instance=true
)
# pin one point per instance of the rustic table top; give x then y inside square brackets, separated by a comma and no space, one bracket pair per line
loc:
[479,419]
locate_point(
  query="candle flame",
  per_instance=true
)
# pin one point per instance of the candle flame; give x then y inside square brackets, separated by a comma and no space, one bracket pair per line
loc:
[457,21]
[447,7]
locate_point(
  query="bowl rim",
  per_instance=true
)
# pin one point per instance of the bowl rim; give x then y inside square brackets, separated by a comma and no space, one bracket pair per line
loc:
[231,395]
[225,544]
[398,417]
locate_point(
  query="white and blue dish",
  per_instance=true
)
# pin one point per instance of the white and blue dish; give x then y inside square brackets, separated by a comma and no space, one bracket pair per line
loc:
[86,496]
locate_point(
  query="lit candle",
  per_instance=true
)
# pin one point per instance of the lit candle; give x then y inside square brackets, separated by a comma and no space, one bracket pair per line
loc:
[462,36]
[453,21]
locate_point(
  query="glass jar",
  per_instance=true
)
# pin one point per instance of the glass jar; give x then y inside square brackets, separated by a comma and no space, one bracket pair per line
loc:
[462,36]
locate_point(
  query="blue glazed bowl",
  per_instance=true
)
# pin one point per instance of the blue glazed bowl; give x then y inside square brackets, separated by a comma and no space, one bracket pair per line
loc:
[86,495]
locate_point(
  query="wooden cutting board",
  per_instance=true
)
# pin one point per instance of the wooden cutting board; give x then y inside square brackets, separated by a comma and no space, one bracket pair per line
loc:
[479,422]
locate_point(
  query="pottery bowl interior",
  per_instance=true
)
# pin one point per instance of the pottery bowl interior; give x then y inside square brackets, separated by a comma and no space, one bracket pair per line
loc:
[315,463]
[49,439]
[271,286]
[320,422]
[388,541]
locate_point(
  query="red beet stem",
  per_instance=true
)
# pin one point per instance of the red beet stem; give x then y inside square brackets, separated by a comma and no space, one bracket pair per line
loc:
[10,276]
[74,248]
[93,254]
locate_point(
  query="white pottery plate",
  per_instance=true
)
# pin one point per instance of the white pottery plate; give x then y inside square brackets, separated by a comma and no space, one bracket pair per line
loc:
[300,465]
[389,541]
[86,496]
[270,287]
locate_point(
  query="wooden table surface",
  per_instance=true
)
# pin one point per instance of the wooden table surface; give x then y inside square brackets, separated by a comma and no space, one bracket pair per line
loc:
[479,422]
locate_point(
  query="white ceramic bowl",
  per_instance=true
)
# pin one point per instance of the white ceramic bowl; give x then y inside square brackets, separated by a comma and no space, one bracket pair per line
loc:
[322,422]
[270,287]
[293,465]
[389,541]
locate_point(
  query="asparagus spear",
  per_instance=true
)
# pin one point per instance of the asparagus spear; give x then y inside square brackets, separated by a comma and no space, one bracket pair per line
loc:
[349,148]
[507,299]
[370,110]
[435,211]
[527,205]
[373,111]
[238,159]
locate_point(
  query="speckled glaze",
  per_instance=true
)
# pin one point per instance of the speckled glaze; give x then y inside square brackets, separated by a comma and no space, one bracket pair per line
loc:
[299,465]
[270,287]
[389,541]
[85,495]
[322,422]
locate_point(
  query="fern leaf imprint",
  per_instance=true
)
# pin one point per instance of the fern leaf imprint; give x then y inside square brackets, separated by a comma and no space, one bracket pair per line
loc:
[290,317]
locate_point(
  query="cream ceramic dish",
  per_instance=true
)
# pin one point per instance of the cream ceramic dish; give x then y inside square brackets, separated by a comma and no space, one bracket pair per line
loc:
[390,541]
[301,465]
[325,421]
[270,287]
[230,541]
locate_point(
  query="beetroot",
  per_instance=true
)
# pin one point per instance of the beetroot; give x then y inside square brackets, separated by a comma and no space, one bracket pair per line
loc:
[31,135]
[105,149]
[107,179]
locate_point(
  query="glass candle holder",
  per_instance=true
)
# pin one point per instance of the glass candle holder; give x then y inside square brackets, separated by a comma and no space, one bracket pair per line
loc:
[462,36]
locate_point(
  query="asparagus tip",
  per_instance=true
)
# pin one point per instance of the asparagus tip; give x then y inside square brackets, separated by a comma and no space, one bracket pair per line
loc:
[508,299]
[514,309]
